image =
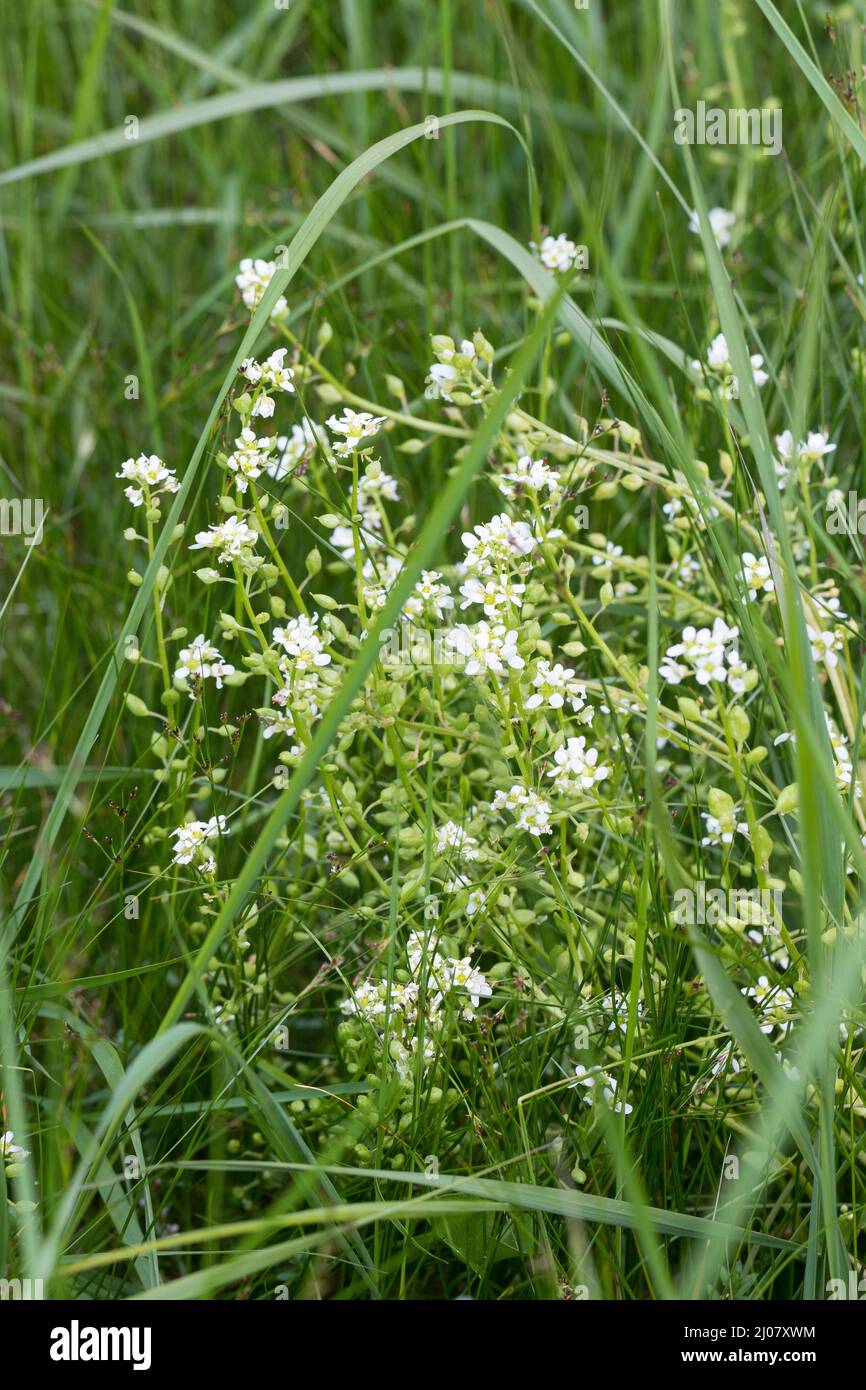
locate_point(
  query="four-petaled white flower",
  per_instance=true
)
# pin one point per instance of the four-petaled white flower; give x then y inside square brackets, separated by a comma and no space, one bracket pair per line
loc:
[721,829]
[355,427]
[233,539]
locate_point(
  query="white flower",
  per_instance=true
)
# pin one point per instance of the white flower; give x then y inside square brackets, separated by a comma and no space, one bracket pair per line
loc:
[577,766]
[441,380]
[809,451]
[355,427]
[510,800]
[757,575]
[737,672]
[494,593]
[429,598]
[534,815]
[611,552]
[232,538]
[557,253]
[705,656]
[498,543]
[534,811]
[530,475]
[824,646]
[816,447]
[674,672]
[719,363]
[774,1004]
[10,1150]
[721,223]
[252,280]
[452,836]
[150,474]
[303,642]
[554,685]
[192,839]
[251,456]
[202,661]
[273,374]
[597,1081]
[463,976]
[486,648]
[278,721]
[721,829]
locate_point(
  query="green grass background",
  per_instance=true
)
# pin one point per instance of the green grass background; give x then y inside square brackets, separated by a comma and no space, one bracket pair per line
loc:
[117,259]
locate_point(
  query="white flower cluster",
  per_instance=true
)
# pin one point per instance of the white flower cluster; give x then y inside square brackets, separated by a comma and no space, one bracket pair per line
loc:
[532,477]
[721,369]
[233,541]
[354,427]
[598,1084]
[803,455]
[707,654]
[251,457]
[192,840]
[724,825]
[300,696]
[577,767]
[774,1004]
[457,371]
[555,686]
[252,280]
[424,997]
[271,375]
[147,476]
[559,253]
[201,661]
[451,838]
[485,648]
[533,812]
[497,560]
